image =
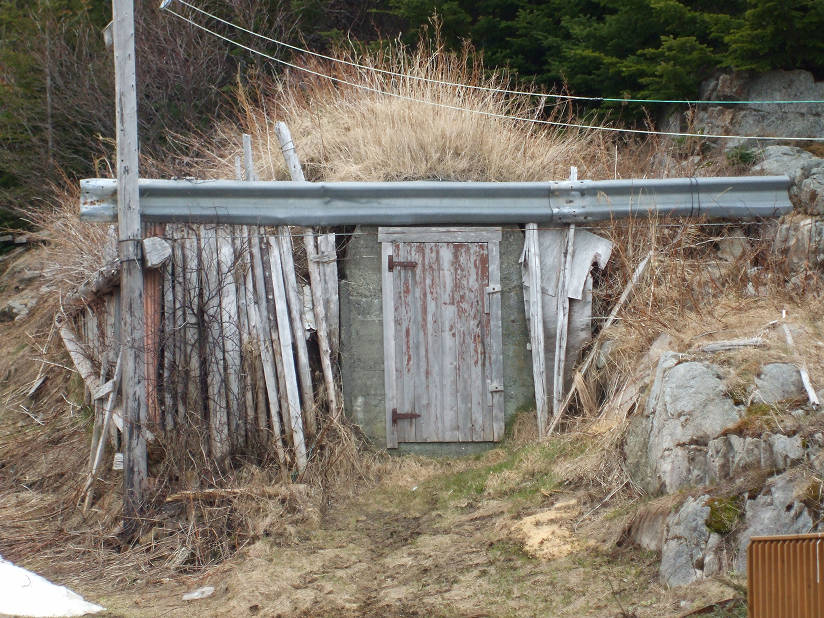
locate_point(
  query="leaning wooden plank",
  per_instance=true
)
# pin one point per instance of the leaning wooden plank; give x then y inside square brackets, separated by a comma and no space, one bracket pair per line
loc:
[327,253]
[315,277]
[319,307]
[98,431]
[240,244]
[268,307]
[287,354]
[194,333]
[179,356]
[562,299]
[80,355]
[531,264]
[215,376]
[636,276]
[261,326]
[98,451]
[255,346]
[167,344]
[116,324]
[86,370]
[231,337]
[295,303]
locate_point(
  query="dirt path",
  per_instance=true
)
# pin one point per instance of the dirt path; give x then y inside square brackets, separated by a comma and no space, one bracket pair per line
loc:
[434,548]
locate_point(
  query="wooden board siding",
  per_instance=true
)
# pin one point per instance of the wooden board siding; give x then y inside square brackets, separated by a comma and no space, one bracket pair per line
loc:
[442,334]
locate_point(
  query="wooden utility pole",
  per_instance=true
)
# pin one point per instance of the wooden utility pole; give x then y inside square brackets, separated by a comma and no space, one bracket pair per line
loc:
[131,255]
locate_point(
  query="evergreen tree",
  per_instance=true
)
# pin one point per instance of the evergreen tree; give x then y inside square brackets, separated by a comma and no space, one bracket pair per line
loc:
[784,34]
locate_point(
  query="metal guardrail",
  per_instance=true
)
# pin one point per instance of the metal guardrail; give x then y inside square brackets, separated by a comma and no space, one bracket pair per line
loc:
[440,203]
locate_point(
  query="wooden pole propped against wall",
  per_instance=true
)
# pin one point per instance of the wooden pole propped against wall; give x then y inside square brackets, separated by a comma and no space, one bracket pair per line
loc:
[135,470]
[315,274]
[531,262]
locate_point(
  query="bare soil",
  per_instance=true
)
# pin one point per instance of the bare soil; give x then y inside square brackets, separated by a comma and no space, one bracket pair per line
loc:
[416,545]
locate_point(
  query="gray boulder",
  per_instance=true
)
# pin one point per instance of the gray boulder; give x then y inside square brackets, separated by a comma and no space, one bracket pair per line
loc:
[806,172]
[786,450]
[716,557]
[811,191]
[18,307]
[775,511]
[682,556]
[779,382]
[789,161]
[801,240]
[687,408]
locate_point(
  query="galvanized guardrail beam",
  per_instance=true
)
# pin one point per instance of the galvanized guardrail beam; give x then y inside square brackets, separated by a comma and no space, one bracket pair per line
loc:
[440,203]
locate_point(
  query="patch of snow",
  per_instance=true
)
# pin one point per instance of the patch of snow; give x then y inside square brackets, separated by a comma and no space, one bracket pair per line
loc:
[23,593]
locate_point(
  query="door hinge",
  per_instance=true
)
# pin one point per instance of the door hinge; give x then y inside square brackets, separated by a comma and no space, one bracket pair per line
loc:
[392,264]
[490,289]
[397,416]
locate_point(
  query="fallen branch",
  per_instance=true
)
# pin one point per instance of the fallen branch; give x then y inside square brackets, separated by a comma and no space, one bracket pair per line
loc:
[12,254]
[599,505]
[213,495]
[85,368]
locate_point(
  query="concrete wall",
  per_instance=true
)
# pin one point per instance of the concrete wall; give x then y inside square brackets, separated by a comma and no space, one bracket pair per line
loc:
[362,337]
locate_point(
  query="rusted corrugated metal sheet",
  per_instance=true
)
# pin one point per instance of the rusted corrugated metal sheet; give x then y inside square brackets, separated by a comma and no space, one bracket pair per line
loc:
[785,577]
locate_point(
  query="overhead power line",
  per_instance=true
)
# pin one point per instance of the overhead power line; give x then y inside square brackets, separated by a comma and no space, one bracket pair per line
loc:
[553,123]
[167,3]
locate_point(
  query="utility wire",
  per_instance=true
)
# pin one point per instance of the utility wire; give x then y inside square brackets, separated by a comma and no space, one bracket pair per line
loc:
[553,123]
[166,4]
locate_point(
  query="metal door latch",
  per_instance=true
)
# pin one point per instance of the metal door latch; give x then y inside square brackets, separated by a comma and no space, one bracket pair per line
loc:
[396,416]
[391,264]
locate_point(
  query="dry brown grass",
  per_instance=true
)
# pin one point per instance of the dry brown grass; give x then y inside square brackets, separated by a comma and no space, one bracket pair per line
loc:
[71,251]
[407,130]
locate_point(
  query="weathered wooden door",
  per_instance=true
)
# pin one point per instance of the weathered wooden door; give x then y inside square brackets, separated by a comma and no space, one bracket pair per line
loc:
[442,334]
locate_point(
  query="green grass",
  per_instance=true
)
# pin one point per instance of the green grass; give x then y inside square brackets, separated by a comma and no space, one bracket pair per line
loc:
[531,476]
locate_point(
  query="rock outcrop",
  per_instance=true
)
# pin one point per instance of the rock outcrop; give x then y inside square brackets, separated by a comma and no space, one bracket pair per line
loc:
[707,535]
[791,120]
[667,446]
[691,434]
